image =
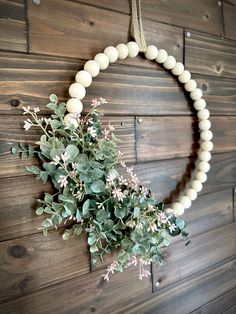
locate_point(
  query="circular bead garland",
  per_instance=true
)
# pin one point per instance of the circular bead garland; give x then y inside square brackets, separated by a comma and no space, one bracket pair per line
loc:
[102,60]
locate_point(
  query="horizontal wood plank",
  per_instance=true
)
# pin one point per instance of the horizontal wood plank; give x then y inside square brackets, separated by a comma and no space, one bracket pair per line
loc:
[210,55]
[85,30]
[13,26]
[35,262]
[168,137]
[184,297]
[182,261]
[202,15]
[229,9]
[219,305]
[88,293]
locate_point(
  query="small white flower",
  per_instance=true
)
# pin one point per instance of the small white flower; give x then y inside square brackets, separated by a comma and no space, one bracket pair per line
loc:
[172,227]
[111,127]
[161,218]
[103,101]
[36,109]
[63,181]
[47,120]
[55,161]
[118,194]
[65,157]
[26,110]
[92,131]
[110,179]
[28,124]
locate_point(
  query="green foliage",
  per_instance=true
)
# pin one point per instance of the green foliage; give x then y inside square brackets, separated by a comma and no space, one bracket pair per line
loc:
[91,195]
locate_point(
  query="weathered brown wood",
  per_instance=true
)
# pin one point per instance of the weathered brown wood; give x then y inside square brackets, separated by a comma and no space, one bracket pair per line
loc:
[85,294]
[229,9]
[12,25]
[184,297]
[35,262]
[86,30]
[204,250]
[171,175]
[219,305]
[210,55]
[219,94]
[230,310]
[202,15]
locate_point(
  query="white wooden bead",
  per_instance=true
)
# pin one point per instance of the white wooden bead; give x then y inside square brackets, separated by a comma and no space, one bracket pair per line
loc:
[102,60]
[204,166]
[77,90]
[196,94]
[203,114]
[74,105]
[206,135]
[178,69]
[84,78]
[151,52]
[201,176]
[122,51]
[207,145]
[112,53]
[204,125]
[196,185]
[162,56]
[70,119]
[185,201]
[133,49]
[178,209]
[190,86]
[204,155]
[199,104]
[192,194]
[92,67]
[184,77]
[169,63]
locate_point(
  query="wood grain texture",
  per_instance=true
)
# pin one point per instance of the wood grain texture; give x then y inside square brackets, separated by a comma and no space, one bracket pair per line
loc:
[86,294]
[34,262]
[185,296]
[221,304]
[204,250]
[202,15]
[210,55]
[219,94]
[86,30]
[12,25]
[229,9]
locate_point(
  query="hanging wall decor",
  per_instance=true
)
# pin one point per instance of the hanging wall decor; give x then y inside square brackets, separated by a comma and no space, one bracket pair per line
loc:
[95,192]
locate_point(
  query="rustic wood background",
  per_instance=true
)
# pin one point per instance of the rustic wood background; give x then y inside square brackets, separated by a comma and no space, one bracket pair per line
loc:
[42,45]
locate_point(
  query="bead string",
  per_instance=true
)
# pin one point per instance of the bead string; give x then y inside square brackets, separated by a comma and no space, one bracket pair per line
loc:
[122,51]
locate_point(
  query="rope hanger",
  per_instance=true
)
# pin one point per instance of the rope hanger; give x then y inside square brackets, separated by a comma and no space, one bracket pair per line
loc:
[137,26]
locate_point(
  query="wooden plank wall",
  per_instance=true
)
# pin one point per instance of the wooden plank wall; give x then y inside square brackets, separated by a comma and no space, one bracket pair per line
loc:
[42,45]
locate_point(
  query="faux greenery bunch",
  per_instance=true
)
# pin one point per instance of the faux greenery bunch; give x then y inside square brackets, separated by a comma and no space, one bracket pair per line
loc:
[96,192]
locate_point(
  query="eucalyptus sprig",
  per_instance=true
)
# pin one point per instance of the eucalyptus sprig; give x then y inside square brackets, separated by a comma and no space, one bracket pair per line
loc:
[96,192]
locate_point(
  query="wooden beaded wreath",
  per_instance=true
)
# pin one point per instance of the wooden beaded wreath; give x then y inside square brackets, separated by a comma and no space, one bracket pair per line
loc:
[131,49]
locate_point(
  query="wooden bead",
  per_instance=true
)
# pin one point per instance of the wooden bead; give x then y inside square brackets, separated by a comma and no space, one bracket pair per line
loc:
[204,166]
[84,78]
[77,90]
[190,86]
[203,114]
[151,52]
[185,201]
[162,56]
[201,176]
[112,53]
[102,60]
[178,69]
[192,194]
[206,135]
[122,51]
[133,49]
[204,125]
[199,104]
[178,209]
[196,185]
[70,119]
[204,155]
[92,67]
[207,146]
[196,94]
[169,63]
[184,77]
[74,105]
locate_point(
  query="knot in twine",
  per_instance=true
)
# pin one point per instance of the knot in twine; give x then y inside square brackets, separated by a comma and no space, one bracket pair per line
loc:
[137,26]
